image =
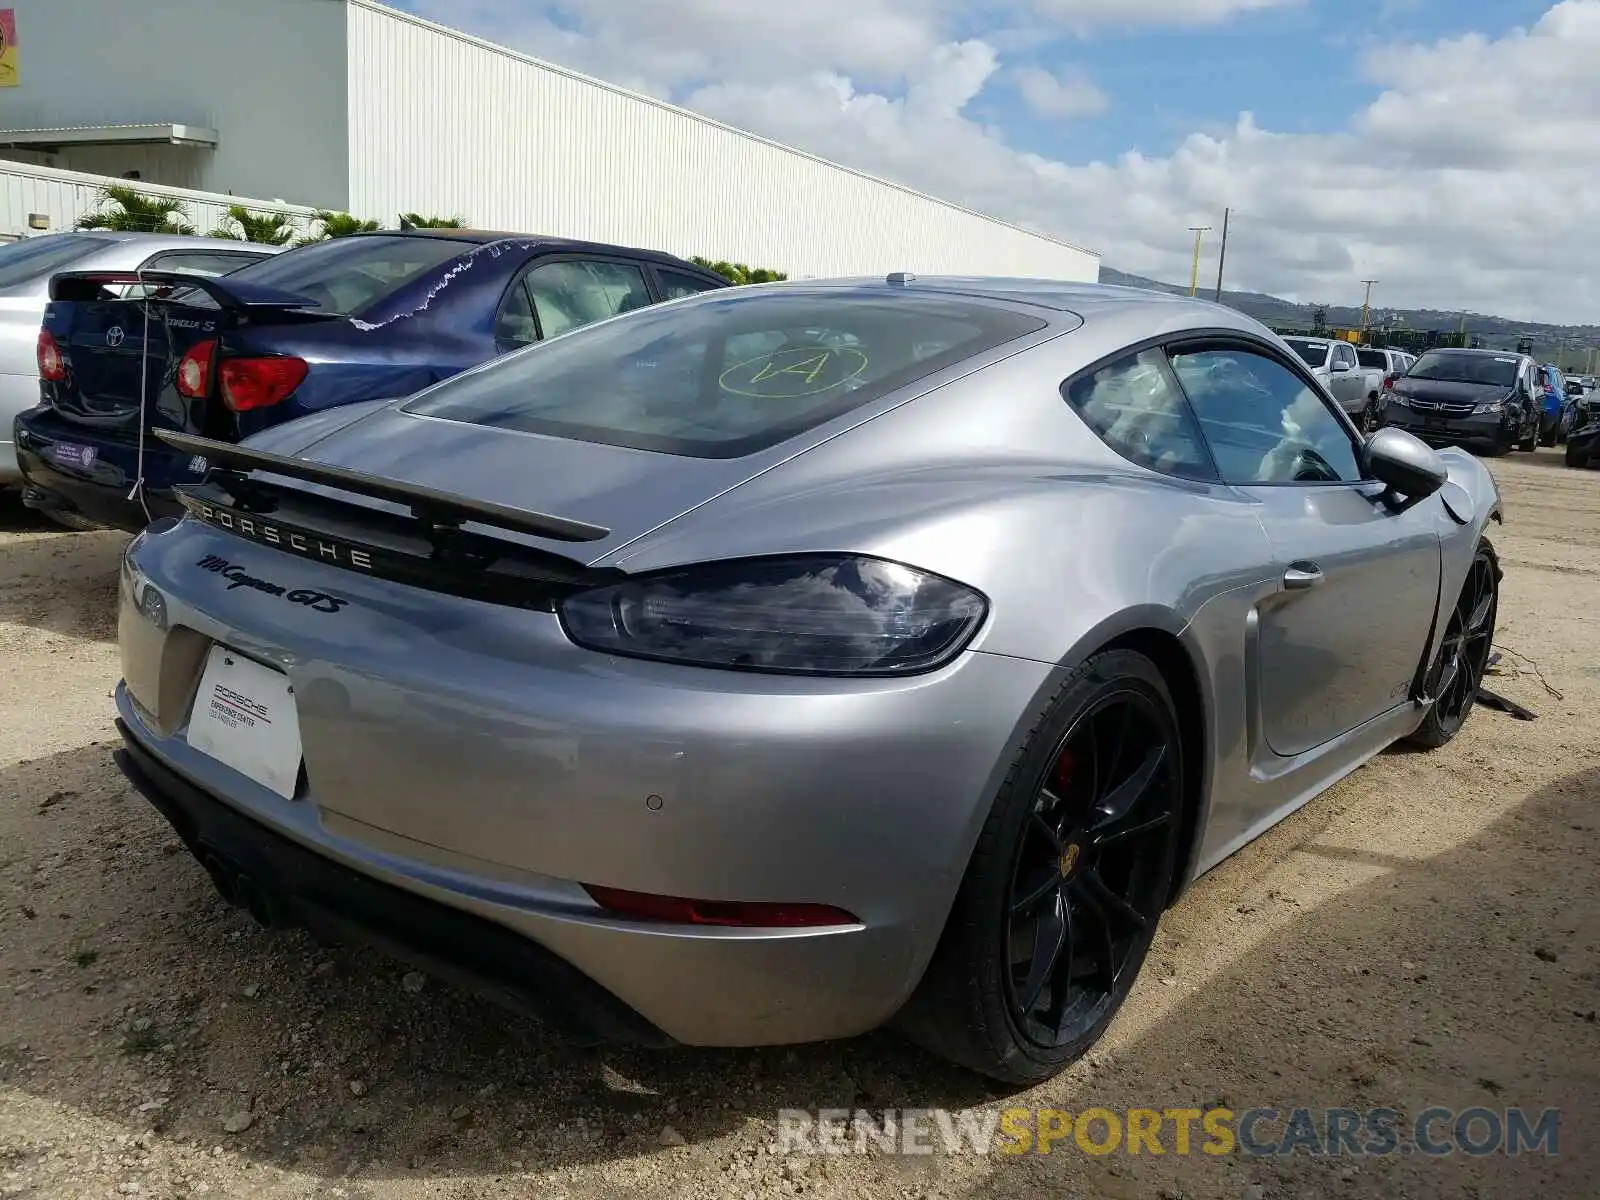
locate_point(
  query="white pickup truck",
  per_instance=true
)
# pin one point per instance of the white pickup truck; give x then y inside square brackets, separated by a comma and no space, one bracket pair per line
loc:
[1381,367]
[1334,364]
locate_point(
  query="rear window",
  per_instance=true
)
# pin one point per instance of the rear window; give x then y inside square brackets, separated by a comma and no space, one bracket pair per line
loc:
[724,377]
[1314,353]
[21,262]
[1373,358]
[349,275]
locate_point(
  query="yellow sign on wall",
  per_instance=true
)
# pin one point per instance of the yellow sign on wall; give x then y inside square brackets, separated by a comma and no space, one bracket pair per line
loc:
[8,47]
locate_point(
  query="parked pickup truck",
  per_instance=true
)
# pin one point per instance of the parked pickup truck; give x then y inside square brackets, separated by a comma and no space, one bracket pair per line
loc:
[1334,364]
[1381,368]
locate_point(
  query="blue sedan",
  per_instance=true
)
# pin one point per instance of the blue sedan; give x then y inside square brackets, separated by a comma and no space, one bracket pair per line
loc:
[370,317]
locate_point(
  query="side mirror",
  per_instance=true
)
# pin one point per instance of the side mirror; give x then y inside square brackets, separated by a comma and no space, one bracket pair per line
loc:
[1405,464]
[1339,368]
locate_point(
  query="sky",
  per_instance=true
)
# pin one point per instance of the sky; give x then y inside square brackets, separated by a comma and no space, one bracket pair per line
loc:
[1449,149]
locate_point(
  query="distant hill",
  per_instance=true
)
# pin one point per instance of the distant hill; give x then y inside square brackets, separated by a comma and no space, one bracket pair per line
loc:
[1570,343]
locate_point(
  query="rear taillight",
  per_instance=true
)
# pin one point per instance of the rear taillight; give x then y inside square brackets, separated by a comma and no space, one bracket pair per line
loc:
[194,370]
[259,382]
[52,366]
[1388,381]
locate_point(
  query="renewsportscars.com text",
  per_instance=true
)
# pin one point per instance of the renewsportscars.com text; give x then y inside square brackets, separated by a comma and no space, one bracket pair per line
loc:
[1262,1132]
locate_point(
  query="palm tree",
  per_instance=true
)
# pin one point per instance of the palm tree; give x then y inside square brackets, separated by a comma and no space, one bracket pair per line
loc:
[267,228]
[336,225]
[418,221]
[126,210]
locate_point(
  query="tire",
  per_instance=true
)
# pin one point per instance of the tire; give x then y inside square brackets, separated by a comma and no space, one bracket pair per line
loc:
[1578,453]
[1530,437]
[1100,896]
[1457,674]
[1370,421]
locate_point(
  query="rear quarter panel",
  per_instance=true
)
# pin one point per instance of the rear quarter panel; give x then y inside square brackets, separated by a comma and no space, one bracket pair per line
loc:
[995,482]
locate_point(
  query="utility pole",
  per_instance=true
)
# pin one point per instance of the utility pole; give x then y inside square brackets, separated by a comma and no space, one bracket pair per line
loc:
[1222,255]
[1366,305]
[1199,232]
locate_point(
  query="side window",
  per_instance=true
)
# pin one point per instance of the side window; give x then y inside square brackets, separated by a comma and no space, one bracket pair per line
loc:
[1134,408]
[1262,424]
[675,284]
[572,293]
[1345,354]
[515,325]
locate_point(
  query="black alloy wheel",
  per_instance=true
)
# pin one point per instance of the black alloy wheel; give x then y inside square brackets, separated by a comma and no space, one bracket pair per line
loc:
[1091,873]
[1464,652]
[1072,871]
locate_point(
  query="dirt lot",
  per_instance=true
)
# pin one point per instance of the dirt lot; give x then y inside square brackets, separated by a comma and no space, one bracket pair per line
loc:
[1426,934]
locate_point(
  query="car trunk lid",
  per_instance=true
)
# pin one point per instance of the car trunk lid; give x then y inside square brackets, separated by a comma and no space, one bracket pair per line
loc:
[391,482]
[122,353]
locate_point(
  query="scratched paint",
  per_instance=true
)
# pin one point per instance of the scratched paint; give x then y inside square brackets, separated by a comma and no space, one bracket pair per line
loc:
[467,261]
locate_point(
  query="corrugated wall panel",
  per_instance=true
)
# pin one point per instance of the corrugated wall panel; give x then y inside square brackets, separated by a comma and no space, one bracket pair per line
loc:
[64,196]
[444,124]
[268,75]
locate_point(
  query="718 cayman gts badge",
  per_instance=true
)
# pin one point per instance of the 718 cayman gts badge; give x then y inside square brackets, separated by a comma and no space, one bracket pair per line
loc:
[238,577]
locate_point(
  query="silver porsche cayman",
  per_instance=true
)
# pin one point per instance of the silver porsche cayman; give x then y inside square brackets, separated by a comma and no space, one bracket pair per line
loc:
[790,661]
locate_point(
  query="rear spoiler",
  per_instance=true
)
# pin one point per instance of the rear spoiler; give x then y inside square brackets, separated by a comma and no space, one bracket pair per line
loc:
[229,294]
[432,507]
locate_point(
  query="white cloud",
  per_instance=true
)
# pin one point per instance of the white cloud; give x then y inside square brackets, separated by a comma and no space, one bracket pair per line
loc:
[1081,14]
[1465,184]
[1060,95]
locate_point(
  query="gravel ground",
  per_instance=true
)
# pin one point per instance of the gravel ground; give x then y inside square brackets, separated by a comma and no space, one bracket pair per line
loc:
[1426,933]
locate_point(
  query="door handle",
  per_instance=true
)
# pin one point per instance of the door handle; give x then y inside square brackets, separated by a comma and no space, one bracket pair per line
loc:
[1302,575]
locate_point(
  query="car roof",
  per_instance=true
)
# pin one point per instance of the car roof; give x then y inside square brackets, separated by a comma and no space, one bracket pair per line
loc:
[176,241]
[1086,300]
[1480,351]
[485,237]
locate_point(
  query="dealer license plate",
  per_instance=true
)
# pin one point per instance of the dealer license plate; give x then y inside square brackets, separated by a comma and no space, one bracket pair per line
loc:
[244,716]
[69,454]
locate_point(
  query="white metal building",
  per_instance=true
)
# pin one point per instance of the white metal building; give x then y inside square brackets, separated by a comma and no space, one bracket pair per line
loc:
[351,106]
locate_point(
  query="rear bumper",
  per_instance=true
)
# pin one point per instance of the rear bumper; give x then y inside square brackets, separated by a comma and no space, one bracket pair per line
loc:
[696,986]
[284,885]
[98,490]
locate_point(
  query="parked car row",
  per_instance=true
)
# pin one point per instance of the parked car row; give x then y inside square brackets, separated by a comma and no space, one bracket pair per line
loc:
[1580,422]
[367,317]
[718,674]
[25,271]
[1355,375]
[1494,400]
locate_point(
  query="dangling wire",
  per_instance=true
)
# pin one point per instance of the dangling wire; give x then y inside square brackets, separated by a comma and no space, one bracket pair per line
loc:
[144,395]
